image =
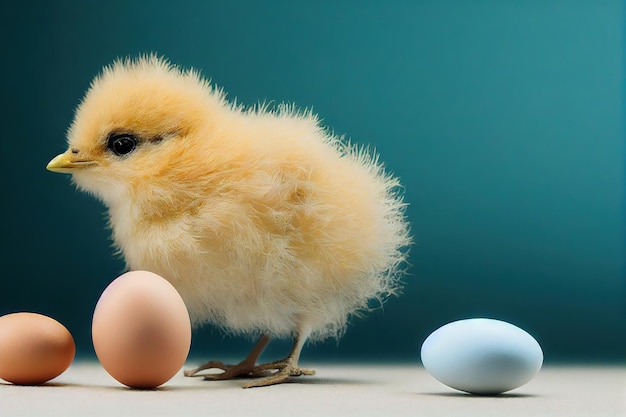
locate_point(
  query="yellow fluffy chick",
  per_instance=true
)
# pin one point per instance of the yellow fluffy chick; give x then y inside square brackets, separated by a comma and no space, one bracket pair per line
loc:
[266,223]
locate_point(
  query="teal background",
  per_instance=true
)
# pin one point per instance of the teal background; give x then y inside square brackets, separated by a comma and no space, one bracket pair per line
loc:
[504,120]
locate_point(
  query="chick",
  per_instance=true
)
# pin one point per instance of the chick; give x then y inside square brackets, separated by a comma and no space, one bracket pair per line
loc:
[266,223]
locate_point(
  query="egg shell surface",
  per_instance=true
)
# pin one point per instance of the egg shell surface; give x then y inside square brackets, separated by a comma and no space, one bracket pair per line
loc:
[481,356]
[33,348]
[141,330]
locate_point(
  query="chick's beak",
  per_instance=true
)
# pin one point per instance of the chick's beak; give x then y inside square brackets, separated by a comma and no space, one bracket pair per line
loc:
[63,163]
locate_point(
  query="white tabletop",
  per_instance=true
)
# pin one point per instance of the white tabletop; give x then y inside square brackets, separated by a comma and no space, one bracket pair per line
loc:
[337,390]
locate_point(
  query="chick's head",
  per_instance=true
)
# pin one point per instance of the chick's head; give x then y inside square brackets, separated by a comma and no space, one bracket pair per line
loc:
[137,125]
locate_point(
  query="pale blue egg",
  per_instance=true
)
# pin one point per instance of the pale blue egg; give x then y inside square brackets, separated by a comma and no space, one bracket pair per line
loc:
[482,356]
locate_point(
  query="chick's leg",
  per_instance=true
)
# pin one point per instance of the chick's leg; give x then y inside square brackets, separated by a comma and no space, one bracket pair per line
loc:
[283,369]
[243,368]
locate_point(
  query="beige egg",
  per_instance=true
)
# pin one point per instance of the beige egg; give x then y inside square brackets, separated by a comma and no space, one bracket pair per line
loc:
[141,330]
[33,348]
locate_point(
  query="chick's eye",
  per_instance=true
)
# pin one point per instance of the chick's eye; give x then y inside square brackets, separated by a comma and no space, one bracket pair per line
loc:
[122,144]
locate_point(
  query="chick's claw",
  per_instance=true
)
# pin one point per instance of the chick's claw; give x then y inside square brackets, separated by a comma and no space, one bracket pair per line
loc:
[285,370]
[209,365]
[241,370]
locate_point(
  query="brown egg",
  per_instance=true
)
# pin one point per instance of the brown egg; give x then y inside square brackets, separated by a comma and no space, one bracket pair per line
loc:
[141,330]
[33,348]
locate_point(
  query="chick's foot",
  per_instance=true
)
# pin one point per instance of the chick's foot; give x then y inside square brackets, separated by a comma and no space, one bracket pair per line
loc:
[245,368]
[285,368]
[282,371]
